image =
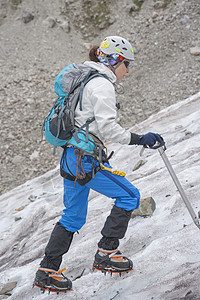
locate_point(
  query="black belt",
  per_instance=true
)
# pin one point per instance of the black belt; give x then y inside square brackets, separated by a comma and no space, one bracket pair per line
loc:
[86,179]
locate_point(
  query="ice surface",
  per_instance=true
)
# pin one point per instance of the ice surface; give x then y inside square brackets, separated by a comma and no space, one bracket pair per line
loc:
[164,247]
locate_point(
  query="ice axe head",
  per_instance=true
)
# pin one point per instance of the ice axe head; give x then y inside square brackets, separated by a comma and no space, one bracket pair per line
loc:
[156,146]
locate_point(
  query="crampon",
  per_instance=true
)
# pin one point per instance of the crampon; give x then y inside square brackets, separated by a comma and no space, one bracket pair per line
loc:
[112,261]
[52,281]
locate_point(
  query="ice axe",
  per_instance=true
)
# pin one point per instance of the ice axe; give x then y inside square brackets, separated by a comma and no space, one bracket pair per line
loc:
[161,149]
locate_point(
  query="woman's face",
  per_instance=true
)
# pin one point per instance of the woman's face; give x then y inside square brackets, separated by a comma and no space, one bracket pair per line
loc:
[121,71]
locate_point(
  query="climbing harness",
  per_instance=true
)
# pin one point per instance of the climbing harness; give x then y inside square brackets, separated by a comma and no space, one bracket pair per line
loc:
[80,173]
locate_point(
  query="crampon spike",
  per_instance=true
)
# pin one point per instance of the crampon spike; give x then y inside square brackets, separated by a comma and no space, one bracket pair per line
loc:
[112,271]
[50,290]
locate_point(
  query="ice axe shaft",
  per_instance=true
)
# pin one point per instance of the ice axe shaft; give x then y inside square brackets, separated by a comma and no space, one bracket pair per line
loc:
[161,150]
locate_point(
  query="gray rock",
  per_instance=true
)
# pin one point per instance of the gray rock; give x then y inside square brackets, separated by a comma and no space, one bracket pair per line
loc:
[87,46]
[50,22]
[195,50]
[104,25]
[65,26]
[185,19]
[133,8]
[17,159]
[27,16]
[32,198]
[21,208]
[112,20]
[159,4]
[187,132]
[34,155]
[155,15]
[8,287]
[139,164]
[147,207]
[67,2]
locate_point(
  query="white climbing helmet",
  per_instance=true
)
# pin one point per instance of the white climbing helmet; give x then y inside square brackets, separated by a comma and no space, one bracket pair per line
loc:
[117,45]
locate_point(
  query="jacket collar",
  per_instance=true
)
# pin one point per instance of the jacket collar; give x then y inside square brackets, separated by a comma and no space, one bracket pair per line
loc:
[101,68]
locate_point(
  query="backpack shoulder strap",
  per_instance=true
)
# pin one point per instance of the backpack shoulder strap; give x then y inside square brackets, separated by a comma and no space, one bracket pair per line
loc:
[90,120]
[95,74]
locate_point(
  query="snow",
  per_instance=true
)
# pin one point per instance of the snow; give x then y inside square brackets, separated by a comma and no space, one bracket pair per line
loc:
[164,247]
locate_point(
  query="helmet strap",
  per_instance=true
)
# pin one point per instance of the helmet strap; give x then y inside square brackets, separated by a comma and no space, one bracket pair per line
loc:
[112,68]
[119,64]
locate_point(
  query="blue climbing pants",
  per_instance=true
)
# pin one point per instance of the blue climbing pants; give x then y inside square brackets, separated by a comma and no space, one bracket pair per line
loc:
[75,197]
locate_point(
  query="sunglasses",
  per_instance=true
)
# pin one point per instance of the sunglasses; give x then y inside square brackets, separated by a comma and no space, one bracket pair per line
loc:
[127,63]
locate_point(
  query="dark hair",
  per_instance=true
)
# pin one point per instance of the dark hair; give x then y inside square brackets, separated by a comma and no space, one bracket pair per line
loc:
[92,55]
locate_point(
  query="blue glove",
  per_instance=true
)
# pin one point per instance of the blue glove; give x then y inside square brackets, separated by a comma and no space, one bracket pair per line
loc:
[150,139]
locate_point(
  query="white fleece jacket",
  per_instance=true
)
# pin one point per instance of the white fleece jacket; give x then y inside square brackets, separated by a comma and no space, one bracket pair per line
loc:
[99,101]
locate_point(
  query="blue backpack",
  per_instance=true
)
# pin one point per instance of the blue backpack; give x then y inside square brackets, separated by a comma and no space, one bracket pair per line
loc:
[59,125]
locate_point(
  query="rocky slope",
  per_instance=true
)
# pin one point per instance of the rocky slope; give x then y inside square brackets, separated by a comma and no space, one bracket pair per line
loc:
[38,39]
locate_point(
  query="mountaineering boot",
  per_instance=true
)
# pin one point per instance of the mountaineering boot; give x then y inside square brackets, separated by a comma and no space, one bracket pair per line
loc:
[108,258]
[112,261]
[47,279]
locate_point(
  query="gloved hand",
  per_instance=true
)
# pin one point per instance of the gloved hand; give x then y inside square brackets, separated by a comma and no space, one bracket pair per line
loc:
[150,139]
